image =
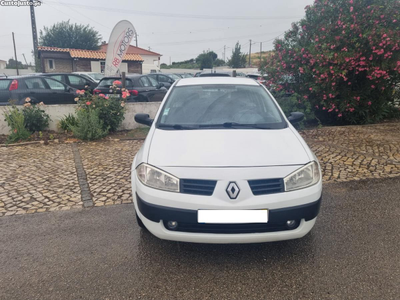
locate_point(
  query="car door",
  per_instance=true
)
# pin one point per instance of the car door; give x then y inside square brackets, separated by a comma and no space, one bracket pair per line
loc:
[159,92]
[79,82]
[145,89]
[60,93]
[165,80]
[59,77]
[5,94]
[37,90]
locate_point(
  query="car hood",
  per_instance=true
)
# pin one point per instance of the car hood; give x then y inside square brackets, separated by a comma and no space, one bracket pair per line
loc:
[226,148]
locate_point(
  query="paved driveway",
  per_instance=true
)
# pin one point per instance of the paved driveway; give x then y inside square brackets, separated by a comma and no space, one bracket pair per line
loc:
[45,178]
[100,253]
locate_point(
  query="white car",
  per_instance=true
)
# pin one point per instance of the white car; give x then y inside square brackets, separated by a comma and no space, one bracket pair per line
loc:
[222,164]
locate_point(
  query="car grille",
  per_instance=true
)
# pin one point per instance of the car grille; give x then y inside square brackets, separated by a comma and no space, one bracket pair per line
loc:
[231,228]
[198,187]
[266,186]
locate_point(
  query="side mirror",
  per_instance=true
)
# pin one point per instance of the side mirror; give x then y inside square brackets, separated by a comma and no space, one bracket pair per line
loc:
[160,85]
[295,117]
[143,119]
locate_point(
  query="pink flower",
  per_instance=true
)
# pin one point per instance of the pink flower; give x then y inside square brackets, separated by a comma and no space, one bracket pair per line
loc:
[88,103]
[339,115]
[106,97]
[394,21]
[351,109]
[351,9]
[301,70]
[117,82]
[372,86]
[102,95]
[305,97]
[351,1]
[369,103]
[125,94]
[310,89]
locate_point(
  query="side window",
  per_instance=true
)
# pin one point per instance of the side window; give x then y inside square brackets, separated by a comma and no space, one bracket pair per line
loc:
[76,80]
[162,78]
[55,85]
[34,83]
[144,81]
[58,77]
[153,82]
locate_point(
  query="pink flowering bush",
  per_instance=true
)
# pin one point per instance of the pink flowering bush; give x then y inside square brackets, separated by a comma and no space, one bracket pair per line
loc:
[343,59]
[110,110]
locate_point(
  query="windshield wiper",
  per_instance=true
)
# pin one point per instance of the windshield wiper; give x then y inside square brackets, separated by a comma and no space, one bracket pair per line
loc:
[236,125]
[177,126]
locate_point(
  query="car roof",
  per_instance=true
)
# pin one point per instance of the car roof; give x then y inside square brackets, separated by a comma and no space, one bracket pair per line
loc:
[216,80]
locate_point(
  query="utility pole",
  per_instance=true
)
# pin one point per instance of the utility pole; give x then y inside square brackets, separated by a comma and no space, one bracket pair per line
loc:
[34,37]
[224,52]
[260,51]
[250,55]
[15,54]
[25,59]
[136,35]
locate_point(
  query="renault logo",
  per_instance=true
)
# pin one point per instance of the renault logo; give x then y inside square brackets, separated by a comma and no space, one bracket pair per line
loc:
[232,190]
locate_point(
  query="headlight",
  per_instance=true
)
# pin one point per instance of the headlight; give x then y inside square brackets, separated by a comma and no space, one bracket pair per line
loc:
[156,178]
[303,177]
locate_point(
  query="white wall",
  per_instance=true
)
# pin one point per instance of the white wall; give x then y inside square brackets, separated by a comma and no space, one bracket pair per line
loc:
[3,64]
[150,62]
[13,72]
[56,112]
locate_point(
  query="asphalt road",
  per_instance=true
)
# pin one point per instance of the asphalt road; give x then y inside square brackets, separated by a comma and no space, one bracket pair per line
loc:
[352,253]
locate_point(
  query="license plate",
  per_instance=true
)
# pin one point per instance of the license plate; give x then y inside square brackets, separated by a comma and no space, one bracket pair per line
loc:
[232,216]
[113,95]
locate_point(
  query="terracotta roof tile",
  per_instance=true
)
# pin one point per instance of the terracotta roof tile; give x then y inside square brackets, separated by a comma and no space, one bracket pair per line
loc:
[80,53]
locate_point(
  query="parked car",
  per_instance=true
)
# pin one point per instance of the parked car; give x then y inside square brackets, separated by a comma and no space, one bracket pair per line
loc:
[96,77]
[166,79]
[142,88]
[184,75]
[197,74]
[222,164]
[76,81]
[216,74]
[37,88]
[221,74]
[257,76]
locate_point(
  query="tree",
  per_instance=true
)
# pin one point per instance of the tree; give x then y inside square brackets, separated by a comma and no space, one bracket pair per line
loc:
[206,60]
[238,59]
[12,64]
[343,58]
[219,63]
[66,35]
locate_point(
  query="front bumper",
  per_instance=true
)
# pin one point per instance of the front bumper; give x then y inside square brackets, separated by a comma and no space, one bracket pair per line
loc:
[155,217]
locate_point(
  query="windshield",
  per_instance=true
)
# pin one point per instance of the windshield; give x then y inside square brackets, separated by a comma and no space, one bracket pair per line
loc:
[220,106]
[96,76]
[173,76]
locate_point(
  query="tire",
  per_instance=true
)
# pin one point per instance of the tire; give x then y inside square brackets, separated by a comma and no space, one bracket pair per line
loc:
[140,223]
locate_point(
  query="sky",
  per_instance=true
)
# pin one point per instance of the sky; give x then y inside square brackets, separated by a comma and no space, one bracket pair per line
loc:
[177,29]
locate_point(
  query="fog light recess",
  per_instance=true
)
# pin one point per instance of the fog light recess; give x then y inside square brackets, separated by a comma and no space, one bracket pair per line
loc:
[172,225]
[291,224]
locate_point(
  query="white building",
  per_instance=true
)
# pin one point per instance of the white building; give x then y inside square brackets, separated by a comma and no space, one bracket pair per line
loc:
[151,60]
[3,64]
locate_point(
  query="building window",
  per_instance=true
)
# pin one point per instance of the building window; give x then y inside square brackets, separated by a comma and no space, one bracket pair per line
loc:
[51,64]
[102,66]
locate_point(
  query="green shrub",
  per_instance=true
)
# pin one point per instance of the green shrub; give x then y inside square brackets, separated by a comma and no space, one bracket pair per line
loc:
[67,121]
[36,119]
[16,121]
[89,126]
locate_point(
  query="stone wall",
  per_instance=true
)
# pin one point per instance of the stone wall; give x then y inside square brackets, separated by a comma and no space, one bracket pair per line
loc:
[56,112]
[82,65]
[60,66]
